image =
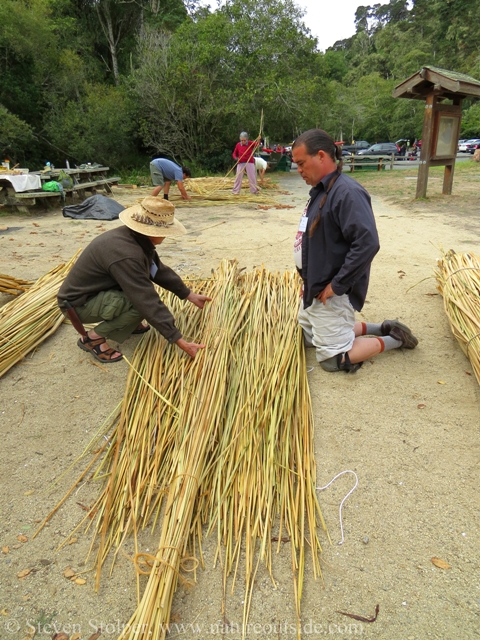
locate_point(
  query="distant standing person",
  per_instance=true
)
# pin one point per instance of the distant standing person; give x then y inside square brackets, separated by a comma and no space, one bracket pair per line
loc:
[260,166]
[243,152]
[163,171]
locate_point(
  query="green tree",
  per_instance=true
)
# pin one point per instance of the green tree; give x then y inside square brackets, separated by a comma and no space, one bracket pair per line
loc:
[199,87]
[27,57]
[98,128]
[470,127]
[15,135]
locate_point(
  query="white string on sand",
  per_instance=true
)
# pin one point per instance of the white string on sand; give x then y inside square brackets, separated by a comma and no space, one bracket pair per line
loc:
[341,504]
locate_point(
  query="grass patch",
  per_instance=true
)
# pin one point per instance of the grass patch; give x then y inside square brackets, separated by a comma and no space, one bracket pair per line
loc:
[399,188]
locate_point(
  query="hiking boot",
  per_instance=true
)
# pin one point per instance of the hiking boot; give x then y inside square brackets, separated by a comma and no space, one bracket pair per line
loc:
[388,325]
[401,332]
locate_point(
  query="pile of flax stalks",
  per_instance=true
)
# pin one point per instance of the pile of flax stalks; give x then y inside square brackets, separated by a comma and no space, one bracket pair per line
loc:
[458,277]
[32,317]
[208,185]
[221,444]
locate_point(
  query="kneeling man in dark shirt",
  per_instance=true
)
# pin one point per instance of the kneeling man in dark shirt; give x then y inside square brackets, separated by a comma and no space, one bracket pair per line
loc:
[336,242]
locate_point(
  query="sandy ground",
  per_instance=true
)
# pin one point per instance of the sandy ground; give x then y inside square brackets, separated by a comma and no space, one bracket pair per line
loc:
[406,423]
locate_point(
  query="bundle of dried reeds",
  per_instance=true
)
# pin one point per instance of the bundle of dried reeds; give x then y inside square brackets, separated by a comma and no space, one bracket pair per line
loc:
[210,191]
[225,441]
[222,198]
[31,318]
[208,185]
[13,286]
[219,198]
[458,276]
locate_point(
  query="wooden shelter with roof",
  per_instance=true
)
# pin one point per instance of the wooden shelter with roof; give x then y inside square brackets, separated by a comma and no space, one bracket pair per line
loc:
[441,123]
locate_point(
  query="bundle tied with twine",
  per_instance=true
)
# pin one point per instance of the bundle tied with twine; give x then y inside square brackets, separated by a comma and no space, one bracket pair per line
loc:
[223,443]
[458,277]
[32,317]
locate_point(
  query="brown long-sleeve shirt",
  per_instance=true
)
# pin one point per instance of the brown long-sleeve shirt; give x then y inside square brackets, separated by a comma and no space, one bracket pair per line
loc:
[122,259]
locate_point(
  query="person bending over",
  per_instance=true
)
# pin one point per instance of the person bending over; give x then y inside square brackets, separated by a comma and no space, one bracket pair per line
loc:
[112,282]
[163,171]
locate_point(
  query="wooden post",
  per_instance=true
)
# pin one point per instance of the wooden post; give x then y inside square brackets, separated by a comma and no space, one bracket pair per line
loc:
[426,152]
[448,179]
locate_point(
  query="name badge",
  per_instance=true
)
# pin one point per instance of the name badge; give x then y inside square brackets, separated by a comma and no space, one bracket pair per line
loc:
[303,224]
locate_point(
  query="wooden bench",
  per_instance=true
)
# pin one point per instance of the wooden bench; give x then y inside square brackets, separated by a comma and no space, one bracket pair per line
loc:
[367,163]
[86,185]
[26,195]
[91,186]
[29,198]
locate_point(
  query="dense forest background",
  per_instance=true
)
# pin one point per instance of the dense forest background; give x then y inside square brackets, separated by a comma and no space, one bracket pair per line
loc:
[119,81]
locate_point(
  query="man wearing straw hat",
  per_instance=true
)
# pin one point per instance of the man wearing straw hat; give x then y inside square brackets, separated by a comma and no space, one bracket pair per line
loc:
[112,282]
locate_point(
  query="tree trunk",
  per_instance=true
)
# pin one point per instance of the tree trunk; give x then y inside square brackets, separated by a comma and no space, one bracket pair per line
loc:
[107,26]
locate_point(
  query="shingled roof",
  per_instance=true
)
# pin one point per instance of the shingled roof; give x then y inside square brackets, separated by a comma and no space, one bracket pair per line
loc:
[445,84]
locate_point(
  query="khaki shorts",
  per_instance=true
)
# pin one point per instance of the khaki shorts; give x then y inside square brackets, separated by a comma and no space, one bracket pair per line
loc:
[330,327]
[156,175]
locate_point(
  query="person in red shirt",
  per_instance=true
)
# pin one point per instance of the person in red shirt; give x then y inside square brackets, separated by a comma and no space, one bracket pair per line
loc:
[243,152]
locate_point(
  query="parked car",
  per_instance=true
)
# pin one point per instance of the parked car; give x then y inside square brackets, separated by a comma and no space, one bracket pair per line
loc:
[460,142]
[356,146]
[382,148]
[470,146]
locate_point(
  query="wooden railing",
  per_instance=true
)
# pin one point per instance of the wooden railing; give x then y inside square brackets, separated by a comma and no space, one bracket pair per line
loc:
[378,162]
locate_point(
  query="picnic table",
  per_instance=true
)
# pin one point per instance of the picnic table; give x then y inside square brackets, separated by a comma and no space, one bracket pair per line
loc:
[25,190]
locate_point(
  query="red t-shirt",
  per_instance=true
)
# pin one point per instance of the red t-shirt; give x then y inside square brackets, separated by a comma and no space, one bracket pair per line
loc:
[244,152]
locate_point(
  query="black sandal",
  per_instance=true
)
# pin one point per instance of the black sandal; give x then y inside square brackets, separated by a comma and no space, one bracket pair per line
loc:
[93,346]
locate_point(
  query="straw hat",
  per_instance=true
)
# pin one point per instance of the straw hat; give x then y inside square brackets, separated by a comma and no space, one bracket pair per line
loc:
[153,217]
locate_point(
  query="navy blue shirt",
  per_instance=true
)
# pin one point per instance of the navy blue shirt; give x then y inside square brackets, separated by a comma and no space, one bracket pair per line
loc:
[343,244]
